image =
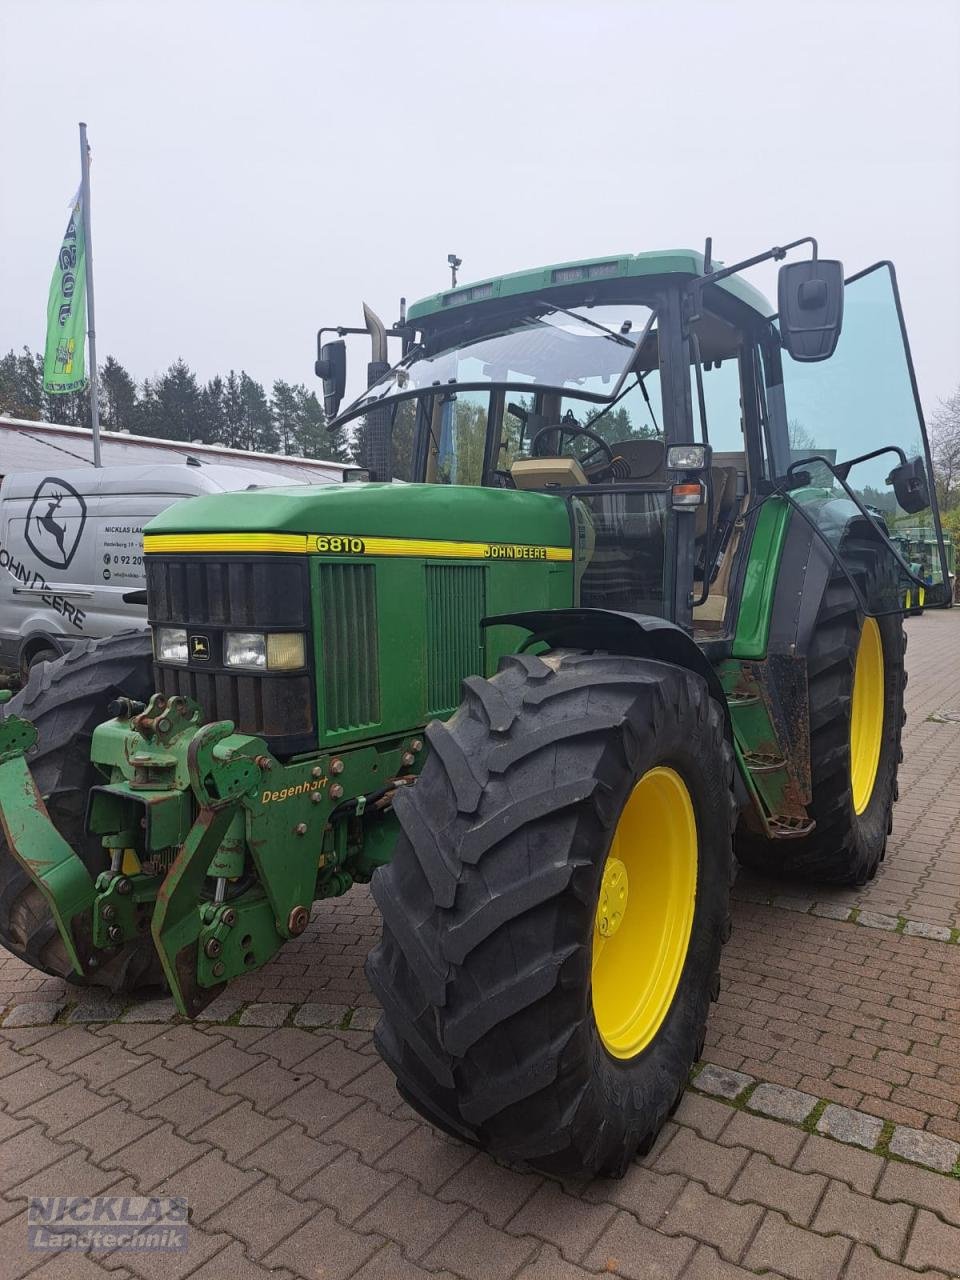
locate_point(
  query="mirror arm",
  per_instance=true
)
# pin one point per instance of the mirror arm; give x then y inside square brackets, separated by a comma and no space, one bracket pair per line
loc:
[699,283]
[343,331]
[843,469]
[776,253]
[817,457]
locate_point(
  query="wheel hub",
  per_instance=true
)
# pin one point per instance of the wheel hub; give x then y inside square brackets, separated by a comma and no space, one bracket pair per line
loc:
[639,955]
[613,898]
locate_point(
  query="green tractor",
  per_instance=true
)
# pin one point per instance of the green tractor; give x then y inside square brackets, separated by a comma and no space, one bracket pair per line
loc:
[591,623]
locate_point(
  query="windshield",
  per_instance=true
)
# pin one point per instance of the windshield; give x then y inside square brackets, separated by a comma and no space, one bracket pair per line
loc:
[580,353]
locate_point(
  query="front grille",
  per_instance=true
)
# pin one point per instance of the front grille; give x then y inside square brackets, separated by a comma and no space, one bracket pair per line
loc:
[208,596]
[351,665]
[269,591]
[455,606]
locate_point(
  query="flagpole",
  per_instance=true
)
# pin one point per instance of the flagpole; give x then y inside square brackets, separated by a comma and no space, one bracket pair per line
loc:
[91,327]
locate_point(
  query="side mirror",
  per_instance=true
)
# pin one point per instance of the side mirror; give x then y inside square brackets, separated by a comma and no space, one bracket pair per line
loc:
[810,302]
[331,366]
[911,486]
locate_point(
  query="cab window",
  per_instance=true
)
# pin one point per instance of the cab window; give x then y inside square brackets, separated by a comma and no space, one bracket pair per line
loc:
[457,437]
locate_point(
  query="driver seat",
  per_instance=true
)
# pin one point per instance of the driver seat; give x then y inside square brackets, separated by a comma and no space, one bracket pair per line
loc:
[548,473]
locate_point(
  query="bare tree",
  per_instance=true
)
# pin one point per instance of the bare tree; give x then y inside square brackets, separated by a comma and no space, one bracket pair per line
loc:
[945,448]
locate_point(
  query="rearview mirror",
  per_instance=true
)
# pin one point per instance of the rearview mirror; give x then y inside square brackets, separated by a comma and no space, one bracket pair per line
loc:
[910,484]
[810,301]
[331,366]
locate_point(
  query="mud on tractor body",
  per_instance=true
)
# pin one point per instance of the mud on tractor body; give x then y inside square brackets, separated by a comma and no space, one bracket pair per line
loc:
[638,601]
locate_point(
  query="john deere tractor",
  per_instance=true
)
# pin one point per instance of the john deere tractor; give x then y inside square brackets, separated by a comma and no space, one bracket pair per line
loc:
[611,603]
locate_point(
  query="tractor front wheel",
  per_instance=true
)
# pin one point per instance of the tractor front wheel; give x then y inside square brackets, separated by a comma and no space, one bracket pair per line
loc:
[555,908]
[66,700]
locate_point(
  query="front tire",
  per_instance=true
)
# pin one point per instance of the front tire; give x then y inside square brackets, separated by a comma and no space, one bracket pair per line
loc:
[518,1013]
[66,699]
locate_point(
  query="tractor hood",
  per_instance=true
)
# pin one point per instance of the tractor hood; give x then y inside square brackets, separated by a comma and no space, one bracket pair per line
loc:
[430,511]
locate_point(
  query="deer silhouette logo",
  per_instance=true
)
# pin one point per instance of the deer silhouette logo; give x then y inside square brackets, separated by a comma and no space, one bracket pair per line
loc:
[53,527]
[55,522]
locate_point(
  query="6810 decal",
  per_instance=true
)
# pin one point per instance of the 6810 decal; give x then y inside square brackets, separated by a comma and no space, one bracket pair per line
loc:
[341,543]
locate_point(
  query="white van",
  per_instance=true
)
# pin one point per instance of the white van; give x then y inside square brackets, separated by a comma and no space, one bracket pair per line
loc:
[71,549]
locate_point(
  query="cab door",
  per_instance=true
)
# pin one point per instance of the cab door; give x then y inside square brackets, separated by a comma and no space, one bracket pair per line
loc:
[855,430]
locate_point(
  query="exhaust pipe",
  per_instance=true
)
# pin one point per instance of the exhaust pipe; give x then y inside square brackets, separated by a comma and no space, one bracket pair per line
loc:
[378,336]
[376,441]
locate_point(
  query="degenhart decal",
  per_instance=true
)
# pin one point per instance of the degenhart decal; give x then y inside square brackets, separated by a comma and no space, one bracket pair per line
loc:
[55,522]
[31,578]
[301,788]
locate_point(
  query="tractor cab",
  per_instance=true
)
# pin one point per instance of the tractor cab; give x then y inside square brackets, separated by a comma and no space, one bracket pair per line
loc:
[664,402]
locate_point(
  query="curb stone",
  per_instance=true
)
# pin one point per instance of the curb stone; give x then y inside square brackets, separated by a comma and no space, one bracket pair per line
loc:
[853,915]
[841,1124]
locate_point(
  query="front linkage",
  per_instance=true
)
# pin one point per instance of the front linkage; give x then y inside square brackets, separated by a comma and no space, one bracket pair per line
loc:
[209,842]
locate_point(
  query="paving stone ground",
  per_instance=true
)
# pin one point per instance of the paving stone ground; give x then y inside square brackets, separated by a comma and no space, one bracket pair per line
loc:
[300,1161]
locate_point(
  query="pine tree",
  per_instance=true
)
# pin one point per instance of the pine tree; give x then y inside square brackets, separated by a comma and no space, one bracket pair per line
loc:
[284,408]
[21,385]
[118,396]
[260,434]
[212,427]
[170,405]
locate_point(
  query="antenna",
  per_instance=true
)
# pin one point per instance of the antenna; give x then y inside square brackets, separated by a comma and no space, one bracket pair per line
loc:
[454,262]
[708,256]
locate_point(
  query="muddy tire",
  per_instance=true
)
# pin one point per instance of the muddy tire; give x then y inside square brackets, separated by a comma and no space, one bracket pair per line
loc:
[66,700]
[849,839]
[515,1015]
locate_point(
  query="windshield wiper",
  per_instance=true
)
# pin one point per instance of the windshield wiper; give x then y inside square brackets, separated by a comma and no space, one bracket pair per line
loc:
[594,324]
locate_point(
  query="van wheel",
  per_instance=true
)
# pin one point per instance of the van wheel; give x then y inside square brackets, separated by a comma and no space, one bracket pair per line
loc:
[45,654]
[66,699]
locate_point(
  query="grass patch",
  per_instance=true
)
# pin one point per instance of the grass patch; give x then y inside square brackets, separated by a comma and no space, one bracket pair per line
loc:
[813,1119]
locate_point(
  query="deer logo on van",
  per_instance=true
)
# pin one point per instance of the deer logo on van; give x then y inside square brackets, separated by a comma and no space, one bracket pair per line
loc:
[55,522]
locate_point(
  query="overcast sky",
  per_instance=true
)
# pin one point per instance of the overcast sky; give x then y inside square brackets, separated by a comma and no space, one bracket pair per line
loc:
[260,166]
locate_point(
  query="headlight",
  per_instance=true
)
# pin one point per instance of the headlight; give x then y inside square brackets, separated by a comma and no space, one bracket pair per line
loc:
[170,644]
[688,457]
[256,651]
[245,649]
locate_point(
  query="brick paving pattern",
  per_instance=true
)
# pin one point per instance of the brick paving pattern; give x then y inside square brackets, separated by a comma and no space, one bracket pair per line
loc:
[300,1161]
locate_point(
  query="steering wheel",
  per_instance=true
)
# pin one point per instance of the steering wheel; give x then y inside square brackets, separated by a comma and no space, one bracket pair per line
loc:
[570,428]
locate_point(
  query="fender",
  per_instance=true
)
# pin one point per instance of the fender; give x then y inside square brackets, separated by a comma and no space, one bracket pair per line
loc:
[639,635]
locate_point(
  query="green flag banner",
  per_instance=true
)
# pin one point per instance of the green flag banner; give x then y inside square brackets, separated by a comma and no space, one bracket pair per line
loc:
[63,365]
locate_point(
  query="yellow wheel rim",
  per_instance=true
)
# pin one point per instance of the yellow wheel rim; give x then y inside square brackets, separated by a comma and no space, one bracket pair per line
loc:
[644,913]
[866,716]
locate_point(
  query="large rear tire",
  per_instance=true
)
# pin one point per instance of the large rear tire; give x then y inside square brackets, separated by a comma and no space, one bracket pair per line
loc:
[66,700]
[856,676]
[555,908]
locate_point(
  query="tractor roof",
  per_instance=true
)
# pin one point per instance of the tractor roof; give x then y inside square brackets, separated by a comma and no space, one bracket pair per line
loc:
[683,262]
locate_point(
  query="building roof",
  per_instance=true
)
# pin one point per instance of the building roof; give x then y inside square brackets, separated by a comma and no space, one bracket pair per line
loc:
[33,446]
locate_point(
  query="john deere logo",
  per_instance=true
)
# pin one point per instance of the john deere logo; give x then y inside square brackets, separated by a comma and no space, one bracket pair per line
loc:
[55,522]
[200,648]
